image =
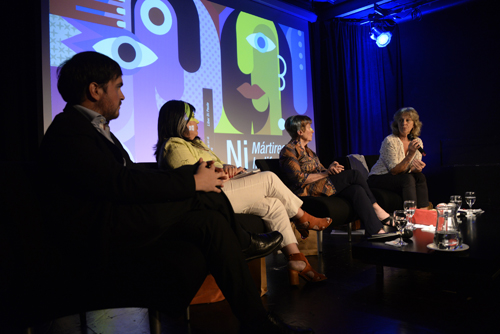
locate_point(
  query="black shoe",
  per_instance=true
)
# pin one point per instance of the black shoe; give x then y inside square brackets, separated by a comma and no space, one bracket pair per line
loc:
[389,229]
[262,245]
[389,221]
[274,325]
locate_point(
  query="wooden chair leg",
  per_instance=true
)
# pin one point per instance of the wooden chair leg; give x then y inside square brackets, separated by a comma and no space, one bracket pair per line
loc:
[319,235]
[154,321]
[349,231]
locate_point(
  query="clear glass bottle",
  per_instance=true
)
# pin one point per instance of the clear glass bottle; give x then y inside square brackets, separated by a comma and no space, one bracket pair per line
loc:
[447,235]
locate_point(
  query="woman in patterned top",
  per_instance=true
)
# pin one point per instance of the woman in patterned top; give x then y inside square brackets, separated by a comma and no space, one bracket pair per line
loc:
[262,194]
[308,177]
[400,165]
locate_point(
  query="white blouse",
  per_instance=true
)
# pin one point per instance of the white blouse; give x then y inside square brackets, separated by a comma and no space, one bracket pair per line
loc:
[392,152]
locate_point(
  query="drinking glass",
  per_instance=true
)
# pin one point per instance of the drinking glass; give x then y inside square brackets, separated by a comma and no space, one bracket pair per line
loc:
[470,199]
[410,207]
[400,221]
[456,199]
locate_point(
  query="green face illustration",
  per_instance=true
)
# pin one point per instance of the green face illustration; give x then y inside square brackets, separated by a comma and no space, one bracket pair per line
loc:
[257,44]
[256,98]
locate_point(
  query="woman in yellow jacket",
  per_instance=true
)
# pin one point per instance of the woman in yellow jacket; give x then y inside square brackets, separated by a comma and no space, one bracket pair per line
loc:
[262,194]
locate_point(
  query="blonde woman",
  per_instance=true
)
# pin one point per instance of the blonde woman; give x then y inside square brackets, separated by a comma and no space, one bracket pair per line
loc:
[400,165]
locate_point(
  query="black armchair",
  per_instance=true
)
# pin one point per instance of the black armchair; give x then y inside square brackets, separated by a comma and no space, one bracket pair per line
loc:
[387,199]
[338,209]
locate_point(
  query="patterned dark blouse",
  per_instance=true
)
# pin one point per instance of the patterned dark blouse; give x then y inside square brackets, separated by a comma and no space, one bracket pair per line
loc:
[297,163]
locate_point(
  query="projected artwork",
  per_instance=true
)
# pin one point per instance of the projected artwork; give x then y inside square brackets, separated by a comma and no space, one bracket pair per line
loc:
[244,74]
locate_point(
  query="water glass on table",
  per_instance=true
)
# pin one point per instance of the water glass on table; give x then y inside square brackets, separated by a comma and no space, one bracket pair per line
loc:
[470,199]
[400,221]
[410,208]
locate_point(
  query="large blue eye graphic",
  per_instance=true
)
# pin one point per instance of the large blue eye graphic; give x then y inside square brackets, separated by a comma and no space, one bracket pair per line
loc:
[156,17]
[126,51]
[261,42]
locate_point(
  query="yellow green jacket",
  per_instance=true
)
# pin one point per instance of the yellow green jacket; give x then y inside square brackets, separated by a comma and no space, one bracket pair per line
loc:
[178,152]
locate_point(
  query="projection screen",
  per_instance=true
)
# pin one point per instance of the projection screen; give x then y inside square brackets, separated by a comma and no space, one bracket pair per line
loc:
[245,72]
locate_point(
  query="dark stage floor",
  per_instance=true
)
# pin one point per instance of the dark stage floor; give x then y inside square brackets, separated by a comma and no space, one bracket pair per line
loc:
[348,302]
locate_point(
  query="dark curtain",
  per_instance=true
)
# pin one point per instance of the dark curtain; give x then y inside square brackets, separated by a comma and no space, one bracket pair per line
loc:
[360,89]
[21,128]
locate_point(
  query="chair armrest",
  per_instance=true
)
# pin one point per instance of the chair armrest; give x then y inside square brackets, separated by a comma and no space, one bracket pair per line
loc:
[271,165]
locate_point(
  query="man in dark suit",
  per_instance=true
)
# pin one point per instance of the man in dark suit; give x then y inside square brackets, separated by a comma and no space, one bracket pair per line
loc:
[122,225]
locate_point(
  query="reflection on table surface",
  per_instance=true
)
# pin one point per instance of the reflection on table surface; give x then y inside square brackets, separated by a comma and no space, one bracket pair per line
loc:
[480,232]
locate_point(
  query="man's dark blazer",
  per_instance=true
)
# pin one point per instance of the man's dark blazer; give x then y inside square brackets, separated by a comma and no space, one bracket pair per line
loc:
[118,227]
[95,196]
[94,183]
[106,217]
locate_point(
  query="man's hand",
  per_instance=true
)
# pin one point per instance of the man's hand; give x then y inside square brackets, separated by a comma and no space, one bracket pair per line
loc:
[223,176]
[207,179]
[335,168]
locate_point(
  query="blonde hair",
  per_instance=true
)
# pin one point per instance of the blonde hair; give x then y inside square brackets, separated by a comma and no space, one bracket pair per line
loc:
[417,125]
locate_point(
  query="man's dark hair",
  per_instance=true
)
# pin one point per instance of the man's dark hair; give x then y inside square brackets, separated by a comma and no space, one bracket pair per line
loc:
[77,73]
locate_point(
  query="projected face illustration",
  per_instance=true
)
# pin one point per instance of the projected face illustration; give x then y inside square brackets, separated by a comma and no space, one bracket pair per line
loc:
[251,93]
[191,50]
[182,35]
[156,25]
[159,44]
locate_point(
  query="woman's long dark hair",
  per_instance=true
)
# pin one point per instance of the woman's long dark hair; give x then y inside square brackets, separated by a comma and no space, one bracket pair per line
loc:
[172,122]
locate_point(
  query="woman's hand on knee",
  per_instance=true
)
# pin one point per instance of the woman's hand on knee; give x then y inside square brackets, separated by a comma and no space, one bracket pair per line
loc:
[231,170]
[417,166]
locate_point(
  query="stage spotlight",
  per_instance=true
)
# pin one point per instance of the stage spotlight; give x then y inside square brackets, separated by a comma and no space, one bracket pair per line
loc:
[381,32]
[381,38]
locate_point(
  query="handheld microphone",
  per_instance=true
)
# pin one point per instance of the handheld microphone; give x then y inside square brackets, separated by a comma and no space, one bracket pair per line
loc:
[421,150]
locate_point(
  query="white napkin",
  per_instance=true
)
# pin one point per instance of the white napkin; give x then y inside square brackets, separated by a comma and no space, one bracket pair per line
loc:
[422,225]
[395,243]
[429,228]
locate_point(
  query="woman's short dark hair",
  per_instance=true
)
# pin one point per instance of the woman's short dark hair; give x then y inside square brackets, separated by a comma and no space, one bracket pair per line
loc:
[296,123]
[172,122]
[77,73]
[417,125]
